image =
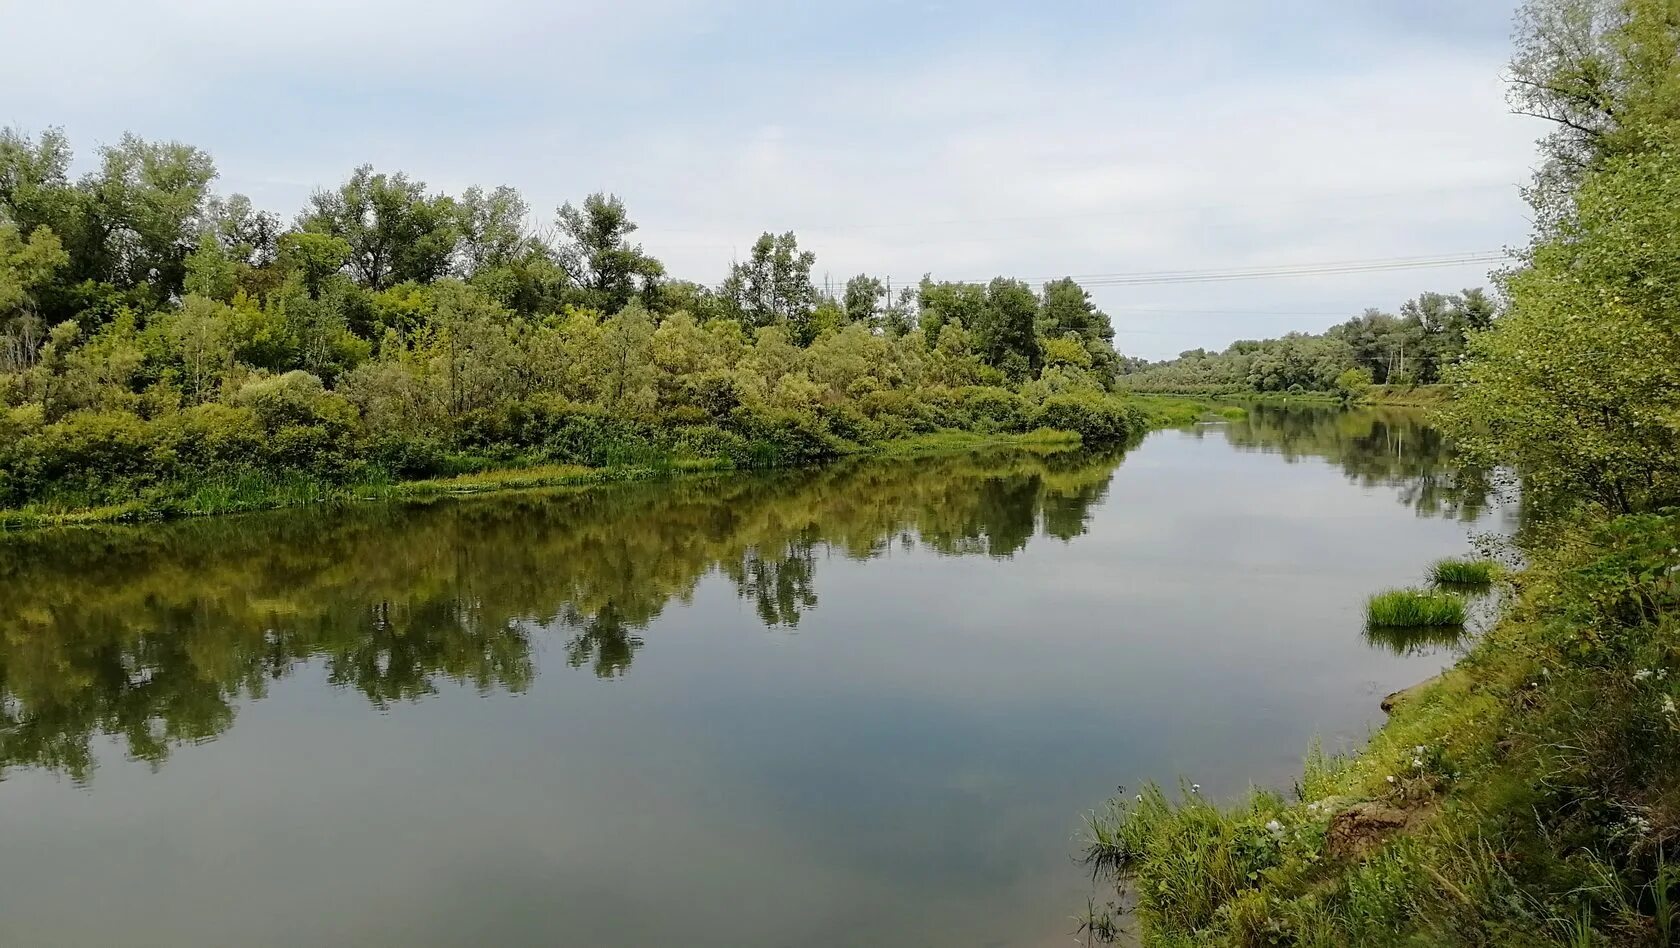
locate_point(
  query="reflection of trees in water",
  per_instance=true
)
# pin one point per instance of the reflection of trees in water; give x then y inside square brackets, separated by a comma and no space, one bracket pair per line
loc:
[153,635]
[1375,448]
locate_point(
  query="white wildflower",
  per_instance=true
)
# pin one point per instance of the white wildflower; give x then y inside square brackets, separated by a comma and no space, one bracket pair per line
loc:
[1140,798]
[1195,788]
[1417,763]
[1418,750]
[1642,674]
[1390,778]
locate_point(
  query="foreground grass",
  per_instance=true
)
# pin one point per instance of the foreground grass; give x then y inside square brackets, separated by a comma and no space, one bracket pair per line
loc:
[1530,796]
[252,492]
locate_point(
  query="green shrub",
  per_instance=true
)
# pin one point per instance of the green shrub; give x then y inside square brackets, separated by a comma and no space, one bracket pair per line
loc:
[1098,420]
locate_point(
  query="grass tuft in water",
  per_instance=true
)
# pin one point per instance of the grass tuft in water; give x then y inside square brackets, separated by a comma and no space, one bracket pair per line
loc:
[1414,609]
[1456,572]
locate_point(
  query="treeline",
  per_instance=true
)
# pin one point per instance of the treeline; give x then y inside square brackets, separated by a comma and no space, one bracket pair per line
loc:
[154,335]
[1417,347]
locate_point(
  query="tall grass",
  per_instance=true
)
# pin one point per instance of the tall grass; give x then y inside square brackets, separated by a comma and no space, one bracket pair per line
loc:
[1457,572]
[1414,609]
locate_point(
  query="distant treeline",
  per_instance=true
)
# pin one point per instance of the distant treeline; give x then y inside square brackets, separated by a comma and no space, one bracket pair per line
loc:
[155,335]
[1414,348]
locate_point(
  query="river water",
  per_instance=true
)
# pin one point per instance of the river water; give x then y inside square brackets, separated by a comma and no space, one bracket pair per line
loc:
[866,704]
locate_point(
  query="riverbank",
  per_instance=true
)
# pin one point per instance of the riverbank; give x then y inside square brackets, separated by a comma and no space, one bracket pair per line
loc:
[1399,396]
[1530,795]
[254,491]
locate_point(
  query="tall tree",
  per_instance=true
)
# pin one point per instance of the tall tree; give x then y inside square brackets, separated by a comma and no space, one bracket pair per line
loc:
[1005,334]
[773,285]
[862,299]
[597,252]
[1603,72]
[396,232]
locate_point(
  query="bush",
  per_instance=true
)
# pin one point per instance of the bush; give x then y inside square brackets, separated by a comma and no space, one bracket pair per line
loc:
[1096,419]
[986,408]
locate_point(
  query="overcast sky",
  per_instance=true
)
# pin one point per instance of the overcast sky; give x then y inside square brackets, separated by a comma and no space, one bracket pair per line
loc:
[963,139]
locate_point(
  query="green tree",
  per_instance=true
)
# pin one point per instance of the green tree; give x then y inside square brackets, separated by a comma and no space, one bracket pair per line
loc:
[394,230]
[1604,72]
[596,251]
[862,300]
[1578,383]
[773,285]
[1005,329]
[26,268]
[627,360]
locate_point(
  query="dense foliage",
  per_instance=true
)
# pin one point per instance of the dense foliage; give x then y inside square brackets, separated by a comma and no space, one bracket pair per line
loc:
[1416,347]
[1532,796]
[155,336]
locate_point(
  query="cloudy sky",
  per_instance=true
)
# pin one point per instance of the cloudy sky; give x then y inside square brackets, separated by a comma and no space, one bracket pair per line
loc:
[963,139]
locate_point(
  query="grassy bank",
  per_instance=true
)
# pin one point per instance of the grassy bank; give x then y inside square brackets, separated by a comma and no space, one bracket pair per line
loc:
[244,491]
[1531,796]
[249,492]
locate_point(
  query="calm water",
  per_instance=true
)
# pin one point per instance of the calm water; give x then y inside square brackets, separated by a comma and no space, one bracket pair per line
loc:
[861,705]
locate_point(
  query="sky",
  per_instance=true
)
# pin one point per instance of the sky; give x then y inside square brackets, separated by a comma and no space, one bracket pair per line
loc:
[966,140]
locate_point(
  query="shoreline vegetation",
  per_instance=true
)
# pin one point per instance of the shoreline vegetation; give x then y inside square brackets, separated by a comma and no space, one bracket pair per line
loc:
[247,492]
[1530,796]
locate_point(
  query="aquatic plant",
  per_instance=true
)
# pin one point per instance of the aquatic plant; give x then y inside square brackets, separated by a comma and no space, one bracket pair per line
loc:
[1414,609]
[1463,572]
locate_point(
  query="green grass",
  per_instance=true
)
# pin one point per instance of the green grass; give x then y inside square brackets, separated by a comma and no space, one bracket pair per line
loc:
[1461,572]
[1414,609]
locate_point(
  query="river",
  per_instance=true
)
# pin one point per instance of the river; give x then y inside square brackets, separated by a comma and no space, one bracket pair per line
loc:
[865,704]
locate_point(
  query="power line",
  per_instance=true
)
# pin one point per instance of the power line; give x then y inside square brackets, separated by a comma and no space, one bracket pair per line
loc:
[1159,278]
[1140,209]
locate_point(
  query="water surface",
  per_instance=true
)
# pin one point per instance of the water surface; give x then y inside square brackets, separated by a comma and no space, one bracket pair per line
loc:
[859,705]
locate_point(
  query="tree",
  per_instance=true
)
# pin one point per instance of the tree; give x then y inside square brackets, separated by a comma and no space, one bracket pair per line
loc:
[1604,72]
[627,360]
[1578,383]
[1067,308]
[145,206]
[940,303]
[773,285]
[492,229]
[313,257]
[395,232]
[597,252]
[1352,384]
[26,268]
[862,299]
[1005,329]
[200,336]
